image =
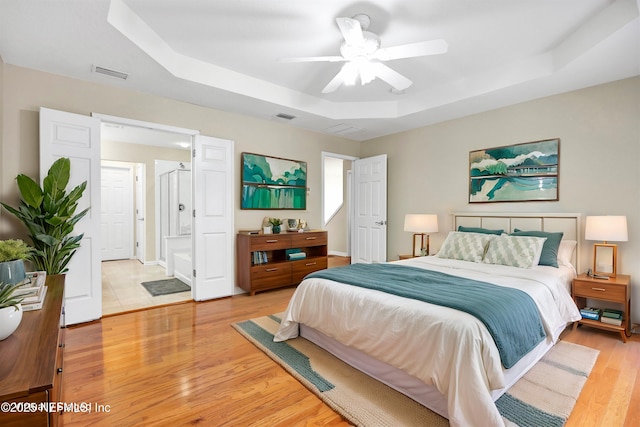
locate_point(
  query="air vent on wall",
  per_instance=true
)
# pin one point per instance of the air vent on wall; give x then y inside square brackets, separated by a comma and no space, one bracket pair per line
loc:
[285,116]
[111,73]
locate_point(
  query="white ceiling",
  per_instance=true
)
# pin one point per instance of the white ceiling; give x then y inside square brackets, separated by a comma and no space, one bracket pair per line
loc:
[225,54]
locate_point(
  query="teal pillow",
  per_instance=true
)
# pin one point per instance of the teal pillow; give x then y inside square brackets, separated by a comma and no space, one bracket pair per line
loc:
[549,254]
[479,230]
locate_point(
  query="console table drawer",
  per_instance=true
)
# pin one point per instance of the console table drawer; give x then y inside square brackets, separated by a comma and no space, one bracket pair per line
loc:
[270,242]
[269,276]
[308,239]
[303,267]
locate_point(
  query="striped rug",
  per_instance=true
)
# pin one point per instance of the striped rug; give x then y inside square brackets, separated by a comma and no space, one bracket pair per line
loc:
[545,396]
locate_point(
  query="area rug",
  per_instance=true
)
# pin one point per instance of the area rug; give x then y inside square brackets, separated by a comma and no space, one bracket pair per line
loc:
[545,396]
[165,287]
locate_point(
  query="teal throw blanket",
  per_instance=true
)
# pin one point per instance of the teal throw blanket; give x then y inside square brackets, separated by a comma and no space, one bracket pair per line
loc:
[510,315]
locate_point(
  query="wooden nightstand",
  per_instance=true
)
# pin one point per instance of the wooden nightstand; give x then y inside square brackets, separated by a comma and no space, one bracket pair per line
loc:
[615,289]
[405,256]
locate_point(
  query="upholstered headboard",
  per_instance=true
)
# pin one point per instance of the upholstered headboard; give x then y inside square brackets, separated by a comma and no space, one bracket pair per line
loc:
[568,223]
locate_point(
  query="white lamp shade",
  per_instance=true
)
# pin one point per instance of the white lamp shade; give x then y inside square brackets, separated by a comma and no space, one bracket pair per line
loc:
[606,228]
[421,223]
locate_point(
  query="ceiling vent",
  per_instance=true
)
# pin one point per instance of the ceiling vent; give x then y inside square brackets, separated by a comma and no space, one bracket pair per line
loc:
[342,129]
[111,73]
[285,116]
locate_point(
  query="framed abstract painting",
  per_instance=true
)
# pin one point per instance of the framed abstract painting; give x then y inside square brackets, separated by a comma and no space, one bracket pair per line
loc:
[273,183]
[515,173]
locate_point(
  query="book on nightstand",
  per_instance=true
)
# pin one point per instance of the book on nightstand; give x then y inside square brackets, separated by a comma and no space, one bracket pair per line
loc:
[590,313]
[611,316]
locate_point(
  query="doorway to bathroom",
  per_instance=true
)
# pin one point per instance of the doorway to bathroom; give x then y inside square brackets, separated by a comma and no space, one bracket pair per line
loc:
[145,217]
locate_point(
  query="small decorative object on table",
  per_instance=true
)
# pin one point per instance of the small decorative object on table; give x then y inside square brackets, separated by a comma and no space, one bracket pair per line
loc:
[275,224]
[292,224]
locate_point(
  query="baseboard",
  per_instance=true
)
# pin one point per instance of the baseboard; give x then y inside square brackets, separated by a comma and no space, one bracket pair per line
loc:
[336,253]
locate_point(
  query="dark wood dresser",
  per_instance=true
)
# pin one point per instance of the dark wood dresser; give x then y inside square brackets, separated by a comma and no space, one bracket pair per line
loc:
[262,262]
[31,363]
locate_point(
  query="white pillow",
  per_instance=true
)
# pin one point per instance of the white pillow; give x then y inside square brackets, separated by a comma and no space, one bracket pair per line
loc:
[465,246]
[565,251]
[515,251]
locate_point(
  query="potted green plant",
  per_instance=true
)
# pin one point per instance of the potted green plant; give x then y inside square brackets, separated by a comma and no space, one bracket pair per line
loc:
[13,252]
[49,213]
[10,309]
[275,224]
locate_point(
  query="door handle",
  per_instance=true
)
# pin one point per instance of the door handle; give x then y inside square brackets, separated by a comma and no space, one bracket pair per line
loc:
[383,222]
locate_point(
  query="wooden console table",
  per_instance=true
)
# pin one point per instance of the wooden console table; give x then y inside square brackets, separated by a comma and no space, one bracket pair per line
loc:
[31,368]
[276,270]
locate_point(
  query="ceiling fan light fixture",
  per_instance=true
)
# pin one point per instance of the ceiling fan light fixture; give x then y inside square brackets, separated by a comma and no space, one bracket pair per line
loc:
[362,56]
[368,72]
[350,73]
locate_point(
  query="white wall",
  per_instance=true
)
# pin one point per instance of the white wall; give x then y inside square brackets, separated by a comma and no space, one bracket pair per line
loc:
[599,131]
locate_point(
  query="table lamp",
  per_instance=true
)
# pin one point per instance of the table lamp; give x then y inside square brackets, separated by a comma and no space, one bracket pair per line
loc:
[421,225]
[607,228]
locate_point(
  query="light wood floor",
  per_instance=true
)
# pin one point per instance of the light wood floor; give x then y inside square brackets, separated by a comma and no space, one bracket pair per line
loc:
[184,365]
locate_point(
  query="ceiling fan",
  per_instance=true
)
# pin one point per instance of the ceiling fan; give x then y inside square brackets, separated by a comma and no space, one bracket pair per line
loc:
[363,56]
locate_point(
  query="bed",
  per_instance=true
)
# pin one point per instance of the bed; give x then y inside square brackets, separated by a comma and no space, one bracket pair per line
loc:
[446,358]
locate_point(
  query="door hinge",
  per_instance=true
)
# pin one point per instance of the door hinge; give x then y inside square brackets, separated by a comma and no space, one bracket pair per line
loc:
[137,244]
[194,213]
[194,272]
[194,153]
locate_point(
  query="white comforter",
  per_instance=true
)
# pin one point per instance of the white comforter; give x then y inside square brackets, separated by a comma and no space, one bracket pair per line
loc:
[445,348]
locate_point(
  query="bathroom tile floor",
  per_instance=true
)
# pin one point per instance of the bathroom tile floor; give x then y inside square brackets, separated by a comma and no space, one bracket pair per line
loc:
[122,290]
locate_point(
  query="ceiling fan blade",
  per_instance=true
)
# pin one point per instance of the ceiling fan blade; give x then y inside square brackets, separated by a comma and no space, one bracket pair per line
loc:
[430,47]
[392,77]
[314,59]
[351,31]
[338,80]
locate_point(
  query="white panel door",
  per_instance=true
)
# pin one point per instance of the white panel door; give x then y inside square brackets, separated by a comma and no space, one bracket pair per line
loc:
[370,210]
[140,209]
[213,234]
[77,137]
[116,188]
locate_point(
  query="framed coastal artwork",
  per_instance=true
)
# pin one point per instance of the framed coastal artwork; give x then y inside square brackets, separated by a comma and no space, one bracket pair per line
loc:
[515,173]
[273,183]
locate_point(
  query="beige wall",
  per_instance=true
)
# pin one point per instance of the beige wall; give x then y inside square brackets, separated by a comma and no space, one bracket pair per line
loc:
[25,91]
[599,129]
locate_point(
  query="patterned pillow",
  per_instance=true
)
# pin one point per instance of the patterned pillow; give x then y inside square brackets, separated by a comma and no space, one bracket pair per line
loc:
[515,251]
[549,254]
[465,246]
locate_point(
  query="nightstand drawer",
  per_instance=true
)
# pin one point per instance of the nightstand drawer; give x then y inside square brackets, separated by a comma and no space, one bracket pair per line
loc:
[599,290]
